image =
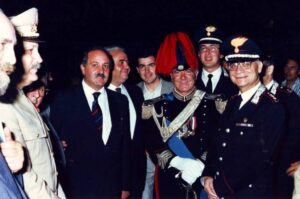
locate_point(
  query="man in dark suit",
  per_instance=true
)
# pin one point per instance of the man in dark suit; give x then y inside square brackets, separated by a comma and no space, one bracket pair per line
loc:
[288,157]
[94,122]
[213,77]
[135,97]
[239,164]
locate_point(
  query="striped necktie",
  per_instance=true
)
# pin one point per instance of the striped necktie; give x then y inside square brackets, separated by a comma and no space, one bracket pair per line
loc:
[96,112]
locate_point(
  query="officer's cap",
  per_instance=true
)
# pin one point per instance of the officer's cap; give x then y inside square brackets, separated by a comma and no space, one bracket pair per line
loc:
[209,34]
[240,49]
[26,23]
[176,52]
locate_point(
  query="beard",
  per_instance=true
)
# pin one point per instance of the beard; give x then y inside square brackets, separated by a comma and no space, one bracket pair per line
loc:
[4,82]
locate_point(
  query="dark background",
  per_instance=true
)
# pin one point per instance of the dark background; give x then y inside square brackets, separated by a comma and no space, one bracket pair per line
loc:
[70,26]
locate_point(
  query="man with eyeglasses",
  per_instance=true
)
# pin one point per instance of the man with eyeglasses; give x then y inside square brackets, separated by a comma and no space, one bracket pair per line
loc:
[213,77]
[152,86]
[239,164]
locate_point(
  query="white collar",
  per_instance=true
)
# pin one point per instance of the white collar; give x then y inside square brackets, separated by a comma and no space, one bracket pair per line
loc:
[246,96]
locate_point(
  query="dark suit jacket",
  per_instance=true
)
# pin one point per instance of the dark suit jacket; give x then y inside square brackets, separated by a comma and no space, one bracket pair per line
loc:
[138,144]
[9,187]
[94,170]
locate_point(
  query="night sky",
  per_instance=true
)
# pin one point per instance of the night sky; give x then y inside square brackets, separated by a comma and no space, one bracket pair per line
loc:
[70,26]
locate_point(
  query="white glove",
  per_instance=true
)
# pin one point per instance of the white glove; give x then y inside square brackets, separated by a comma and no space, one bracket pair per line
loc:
[296,194]
[189,167]
[188,178]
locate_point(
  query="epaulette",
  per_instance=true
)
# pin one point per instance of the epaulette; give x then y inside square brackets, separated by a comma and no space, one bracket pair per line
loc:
[271,96]
[147,106]
[286,89]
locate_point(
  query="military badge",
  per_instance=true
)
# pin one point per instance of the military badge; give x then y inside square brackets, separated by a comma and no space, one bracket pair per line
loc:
[237,42]
[147,111]
[209,30]
[220,105]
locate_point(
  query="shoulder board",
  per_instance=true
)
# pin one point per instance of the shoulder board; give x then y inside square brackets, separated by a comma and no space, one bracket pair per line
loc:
[285,89]
[271,96]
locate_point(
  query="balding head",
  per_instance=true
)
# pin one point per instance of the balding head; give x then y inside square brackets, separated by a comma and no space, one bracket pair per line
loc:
[7,54]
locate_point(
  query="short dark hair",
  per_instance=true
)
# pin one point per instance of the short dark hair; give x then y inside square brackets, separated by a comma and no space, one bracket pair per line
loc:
[86,53]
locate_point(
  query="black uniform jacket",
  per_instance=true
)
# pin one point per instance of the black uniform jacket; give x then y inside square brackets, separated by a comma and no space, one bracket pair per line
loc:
[94,170]
[240,160]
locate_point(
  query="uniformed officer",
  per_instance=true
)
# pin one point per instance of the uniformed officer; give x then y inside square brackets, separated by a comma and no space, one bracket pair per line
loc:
[240,163]
[213,77]
[288,155]
[176,129]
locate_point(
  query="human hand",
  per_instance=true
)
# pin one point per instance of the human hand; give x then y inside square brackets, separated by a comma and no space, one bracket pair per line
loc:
[125,194]
[293,168]
[209,188]
[189,166]
[12,151]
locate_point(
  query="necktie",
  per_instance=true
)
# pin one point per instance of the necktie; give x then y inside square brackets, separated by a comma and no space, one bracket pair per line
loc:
[118,90]
[209,84]
[96,112]
[238,102]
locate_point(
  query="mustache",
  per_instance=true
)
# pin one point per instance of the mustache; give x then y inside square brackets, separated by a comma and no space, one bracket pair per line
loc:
[36,66]
[100,75]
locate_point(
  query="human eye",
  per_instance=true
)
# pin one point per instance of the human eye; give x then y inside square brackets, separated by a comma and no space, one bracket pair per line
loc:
[152,65]
[203,49]
[105,66]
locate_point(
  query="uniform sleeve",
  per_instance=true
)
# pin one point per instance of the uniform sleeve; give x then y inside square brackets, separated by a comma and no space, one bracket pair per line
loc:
[35,187]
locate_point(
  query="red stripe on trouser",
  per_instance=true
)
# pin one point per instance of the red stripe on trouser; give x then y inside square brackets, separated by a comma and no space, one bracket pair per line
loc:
[156,185]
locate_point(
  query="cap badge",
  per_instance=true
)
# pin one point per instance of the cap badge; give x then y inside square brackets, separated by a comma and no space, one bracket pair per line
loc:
[34,28]
[180,67]
[237,42]
[210,29]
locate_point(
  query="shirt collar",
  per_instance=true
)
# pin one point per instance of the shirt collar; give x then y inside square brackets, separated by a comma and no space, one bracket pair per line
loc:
[246,96]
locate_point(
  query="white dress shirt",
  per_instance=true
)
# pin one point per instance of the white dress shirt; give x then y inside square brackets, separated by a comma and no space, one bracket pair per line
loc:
[215,78]
[150,95]
[132,112]
[246,96]
[103,103]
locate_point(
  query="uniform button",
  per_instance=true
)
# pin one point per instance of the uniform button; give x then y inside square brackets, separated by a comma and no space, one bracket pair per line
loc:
[204,106]
[201,139]
[204,114]
[217,173]
[224,144]
[250,185]
[219,129]
[227,130]
[241,133]
[221,159]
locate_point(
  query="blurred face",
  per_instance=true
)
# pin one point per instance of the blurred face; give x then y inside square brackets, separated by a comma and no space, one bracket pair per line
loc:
[96,71]
[245,74]
[121,68]
[7,54]
[146,69]
[209,55]
[184,81]
[291,70]
[36,96]
[31,60]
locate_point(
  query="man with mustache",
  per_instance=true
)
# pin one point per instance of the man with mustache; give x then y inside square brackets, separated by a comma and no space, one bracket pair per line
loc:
[12,154]
[40,174]
[94,122]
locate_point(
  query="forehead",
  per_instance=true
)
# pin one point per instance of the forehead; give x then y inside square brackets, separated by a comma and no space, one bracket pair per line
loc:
[118,55]
[7,32]
[146,59]
[97,55]
[30,45]
[209,45]
[292,62]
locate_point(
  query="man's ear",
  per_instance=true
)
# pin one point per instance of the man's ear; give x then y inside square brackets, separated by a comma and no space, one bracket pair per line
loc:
[82,68]
[260,66]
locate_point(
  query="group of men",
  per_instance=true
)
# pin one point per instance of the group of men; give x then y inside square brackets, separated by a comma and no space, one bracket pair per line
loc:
[218,132]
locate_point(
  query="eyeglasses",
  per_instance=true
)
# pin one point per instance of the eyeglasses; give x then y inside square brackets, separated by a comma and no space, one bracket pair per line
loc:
[211,49]
[244,65]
